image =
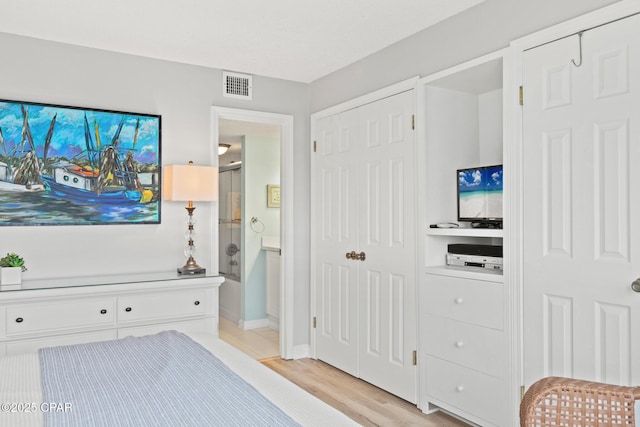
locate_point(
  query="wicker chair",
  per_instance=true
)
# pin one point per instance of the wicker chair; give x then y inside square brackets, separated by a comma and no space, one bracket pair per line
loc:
[568,402]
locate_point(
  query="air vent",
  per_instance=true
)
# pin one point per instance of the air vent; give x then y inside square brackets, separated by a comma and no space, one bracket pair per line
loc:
[237,85]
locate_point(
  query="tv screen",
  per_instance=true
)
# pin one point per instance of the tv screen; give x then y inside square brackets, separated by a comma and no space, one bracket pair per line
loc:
[480,195]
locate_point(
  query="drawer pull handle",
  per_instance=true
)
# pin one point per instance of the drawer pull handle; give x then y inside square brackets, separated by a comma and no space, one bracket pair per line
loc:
[19,320]
[458,300]
[459,344]
[196,303]
[460,388]
[128,309]
[103,311]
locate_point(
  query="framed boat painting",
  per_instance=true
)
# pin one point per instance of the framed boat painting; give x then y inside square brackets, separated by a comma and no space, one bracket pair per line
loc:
[63,165]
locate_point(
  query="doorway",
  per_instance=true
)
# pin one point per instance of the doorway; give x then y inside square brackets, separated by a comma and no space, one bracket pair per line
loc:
[235,127]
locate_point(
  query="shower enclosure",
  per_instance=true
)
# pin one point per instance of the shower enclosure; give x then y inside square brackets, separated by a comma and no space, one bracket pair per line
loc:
[230,221]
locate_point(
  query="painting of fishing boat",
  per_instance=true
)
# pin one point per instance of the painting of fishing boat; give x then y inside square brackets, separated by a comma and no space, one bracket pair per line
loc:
[62,165]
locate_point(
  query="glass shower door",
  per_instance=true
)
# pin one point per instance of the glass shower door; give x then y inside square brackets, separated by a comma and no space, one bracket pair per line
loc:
[230,223]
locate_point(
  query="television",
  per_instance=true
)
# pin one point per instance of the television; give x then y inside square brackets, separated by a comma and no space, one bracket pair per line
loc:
[480,196]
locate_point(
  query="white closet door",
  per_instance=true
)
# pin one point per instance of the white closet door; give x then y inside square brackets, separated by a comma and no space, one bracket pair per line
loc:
[336,233]
[581,206]
[387,236]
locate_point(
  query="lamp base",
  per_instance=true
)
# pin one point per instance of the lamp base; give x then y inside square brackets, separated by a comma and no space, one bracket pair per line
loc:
[191,268]
[191,271]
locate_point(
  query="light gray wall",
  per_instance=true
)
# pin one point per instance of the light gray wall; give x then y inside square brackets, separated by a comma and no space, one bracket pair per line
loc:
[40,71]
[482,29]
[49,72]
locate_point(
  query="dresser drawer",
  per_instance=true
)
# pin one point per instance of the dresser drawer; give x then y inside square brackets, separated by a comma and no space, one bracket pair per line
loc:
[207,325]
[475,347]
[162,305]
[477,394]
[467,300]
[59,315]
[28,346]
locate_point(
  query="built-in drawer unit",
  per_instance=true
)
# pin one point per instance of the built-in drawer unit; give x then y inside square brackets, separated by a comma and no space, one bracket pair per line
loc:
[166,305]
[477,394]
[60,315]
[473,346]
[464,345]
[468,300]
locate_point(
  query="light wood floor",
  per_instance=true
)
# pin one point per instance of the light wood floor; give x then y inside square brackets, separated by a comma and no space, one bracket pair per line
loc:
[359,400]
[257,343]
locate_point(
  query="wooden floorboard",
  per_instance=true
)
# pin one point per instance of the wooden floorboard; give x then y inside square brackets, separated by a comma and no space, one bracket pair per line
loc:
[359,400]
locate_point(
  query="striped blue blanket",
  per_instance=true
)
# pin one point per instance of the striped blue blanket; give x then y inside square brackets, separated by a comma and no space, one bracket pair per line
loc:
[159,380]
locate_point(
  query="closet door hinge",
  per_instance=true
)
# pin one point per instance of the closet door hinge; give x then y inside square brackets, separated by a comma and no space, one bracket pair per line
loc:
[314,146]
[521,96]
[314,322]
[415,357]
[413,122]
[521,392]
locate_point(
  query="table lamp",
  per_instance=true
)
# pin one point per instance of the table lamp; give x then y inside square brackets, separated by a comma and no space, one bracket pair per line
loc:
[190,183]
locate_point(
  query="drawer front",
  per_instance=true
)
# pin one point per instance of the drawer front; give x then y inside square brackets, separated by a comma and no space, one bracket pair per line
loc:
[467,300]
[162,305]
[475,347]
[469,391]
[28,346]
[208,325]
[59,315]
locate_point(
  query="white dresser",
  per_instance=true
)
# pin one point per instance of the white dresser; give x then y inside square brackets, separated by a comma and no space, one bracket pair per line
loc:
[78,310]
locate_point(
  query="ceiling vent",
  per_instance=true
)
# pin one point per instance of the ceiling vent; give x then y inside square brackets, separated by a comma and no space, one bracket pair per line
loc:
[236,85]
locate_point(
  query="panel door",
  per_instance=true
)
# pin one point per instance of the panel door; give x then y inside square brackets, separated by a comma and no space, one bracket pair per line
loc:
[581,206]
[386,222]
[336,233]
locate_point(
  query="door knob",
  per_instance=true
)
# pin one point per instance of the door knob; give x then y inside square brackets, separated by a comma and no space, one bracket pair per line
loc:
[356,256]
[635,285]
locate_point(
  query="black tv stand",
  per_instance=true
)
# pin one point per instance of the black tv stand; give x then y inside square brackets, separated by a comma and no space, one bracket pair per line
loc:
[487,224]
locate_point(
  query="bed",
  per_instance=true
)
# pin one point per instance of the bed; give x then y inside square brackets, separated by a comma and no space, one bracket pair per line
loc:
[55,386]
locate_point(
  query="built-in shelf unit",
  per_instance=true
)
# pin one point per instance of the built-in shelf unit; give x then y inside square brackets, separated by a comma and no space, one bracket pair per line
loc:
[462,310]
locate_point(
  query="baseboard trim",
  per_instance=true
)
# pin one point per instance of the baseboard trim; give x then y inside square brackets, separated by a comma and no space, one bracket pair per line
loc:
[274,323]
[301,351]
[232,317]
[245,325]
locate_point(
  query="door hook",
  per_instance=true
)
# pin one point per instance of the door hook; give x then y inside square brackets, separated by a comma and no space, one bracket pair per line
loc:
[580,42]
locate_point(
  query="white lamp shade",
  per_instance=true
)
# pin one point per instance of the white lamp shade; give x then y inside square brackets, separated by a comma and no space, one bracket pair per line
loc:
[190,183]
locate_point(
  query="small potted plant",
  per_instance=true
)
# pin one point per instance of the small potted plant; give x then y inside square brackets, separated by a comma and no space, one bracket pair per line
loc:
[11,268]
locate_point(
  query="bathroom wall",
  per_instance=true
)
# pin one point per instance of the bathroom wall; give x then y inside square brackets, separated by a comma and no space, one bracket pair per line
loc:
[260,167]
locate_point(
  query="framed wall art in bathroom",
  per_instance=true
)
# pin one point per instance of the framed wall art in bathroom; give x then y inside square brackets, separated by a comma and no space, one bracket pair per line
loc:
[273,196]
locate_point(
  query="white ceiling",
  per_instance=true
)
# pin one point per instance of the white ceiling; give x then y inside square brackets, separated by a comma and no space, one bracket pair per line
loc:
[300,40]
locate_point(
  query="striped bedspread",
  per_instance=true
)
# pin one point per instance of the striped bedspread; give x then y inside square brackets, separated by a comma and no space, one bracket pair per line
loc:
[159,380]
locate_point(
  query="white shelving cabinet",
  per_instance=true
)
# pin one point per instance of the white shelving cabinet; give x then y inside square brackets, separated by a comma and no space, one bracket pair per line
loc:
[463,311]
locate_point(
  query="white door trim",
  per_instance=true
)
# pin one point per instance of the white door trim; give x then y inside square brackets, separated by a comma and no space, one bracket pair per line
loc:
[285,121]
[365,99]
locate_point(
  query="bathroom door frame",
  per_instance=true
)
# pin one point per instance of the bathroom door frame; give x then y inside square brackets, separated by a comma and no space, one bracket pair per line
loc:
[285,121]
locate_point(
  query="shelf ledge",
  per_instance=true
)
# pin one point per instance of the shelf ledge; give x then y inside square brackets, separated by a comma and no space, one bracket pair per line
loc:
[466,232]
[466,272]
